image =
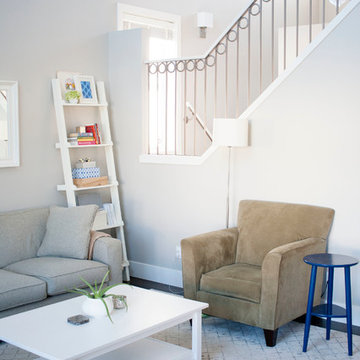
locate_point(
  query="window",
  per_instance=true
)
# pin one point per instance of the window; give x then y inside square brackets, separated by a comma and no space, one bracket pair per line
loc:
[164,31]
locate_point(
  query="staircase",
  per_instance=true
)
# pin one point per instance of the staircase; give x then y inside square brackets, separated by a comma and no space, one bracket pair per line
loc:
[186,94]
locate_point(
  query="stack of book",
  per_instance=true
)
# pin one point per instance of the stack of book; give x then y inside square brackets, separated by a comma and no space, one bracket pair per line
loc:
[94,130]
[85,138]
[85,135]
[72,138]
[110,211]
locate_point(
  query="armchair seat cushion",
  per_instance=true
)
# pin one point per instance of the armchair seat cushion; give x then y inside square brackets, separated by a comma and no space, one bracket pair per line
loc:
[242,281]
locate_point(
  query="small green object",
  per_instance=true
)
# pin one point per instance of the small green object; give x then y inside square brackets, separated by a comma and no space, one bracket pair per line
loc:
[72,94]
[96,292]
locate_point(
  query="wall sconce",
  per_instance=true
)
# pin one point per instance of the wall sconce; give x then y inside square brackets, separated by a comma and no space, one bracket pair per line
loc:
[204,20]
[337,3]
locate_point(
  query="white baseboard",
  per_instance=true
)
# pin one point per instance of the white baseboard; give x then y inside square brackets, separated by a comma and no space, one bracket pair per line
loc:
[355,315]
[156,273]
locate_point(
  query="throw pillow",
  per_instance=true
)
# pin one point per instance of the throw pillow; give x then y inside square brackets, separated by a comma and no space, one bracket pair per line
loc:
[68,232]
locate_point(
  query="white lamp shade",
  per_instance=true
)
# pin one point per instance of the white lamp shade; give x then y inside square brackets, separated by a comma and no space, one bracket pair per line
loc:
[230,132]
[205,19]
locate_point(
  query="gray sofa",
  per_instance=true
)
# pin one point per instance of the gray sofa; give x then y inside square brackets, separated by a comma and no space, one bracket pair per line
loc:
[32,269]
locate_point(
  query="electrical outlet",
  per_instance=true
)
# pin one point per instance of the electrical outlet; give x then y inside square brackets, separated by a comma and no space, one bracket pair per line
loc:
[178,252]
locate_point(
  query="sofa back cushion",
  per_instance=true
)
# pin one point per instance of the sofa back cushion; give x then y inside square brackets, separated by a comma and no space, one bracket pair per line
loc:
[68,232]
[265,225]
[21,233]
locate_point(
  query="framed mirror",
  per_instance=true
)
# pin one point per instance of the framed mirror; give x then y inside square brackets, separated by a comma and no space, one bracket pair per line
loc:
[9,124]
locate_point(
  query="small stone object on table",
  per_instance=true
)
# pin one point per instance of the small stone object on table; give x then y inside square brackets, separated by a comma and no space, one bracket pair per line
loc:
[119,302]
[329,310]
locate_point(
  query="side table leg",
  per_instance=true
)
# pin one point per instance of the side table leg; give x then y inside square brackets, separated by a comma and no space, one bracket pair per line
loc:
[196,336]
[309,306]
[329,301]
[348,308]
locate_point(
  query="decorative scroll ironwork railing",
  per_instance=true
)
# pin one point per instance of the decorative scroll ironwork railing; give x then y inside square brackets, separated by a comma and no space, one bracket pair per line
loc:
[185,95]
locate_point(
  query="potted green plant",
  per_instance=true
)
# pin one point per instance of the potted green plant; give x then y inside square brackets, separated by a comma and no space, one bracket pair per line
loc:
[72,96]
[98,302]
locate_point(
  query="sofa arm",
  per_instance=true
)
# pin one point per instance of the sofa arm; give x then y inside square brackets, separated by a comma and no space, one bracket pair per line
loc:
[285,282]
[109,251]
[203,253]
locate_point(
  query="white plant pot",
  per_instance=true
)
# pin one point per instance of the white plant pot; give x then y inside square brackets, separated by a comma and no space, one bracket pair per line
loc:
[96,308]
[73,101]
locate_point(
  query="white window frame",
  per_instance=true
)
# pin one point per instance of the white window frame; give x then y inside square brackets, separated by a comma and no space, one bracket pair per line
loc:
[152,18]
[11,88]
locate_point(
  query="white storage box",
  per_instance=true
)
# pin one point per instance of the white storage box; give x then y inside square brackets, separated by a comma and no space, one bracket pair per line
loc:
[87,164]
[85,173]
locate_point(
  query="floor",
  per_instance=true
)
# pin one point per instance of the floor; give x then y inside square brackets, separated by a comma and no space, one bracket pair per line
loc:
[227,340]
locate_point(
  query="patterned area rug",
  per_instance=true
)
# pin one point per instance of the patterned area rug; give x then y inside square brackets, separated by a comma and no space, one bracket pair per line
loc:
[228,340]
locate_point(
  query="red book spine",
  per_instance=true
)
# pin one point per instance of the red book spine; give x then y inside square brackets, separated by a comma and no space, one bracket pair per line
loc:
[92,142]
[91,128]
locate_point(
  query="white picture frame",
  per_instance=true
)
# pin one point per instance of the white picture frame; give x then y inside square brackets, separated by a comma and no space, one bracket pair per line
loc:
[85,84]
[67,82]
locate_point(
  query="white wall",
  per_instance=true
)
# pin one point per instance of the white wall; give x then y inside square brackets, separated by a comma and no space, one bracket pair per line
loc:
[39,37]
[305,144]
[162,203]
[303,149]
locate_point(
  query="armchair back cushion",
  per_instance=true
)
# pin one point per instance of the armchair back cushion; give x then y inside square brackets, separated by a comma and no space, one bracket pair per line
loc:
[265,225]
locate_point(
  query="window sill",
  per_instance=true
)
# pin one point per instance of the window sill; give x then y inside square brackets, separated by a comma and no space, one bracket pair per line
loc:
[176,159]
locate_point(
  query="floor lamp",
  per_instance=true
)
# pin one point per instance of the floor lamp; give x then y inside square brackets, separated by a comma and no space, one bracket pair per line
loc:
[230,133]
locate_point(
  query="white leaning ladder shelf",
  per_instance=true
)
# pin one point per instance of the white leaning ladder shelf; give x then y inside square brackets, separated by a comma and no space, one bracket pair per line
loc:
[106,144]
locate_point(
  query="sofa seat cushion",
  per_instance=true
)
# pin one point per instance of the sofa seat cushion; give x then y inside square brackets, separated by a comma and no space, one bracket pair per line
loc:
[241,281]
[18,289]
[61,274]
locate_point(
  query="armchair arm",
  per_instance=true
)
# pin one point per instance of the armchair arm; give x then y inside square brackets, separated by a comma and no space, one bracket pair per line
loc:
[285,282]
[108,251]
[206,252]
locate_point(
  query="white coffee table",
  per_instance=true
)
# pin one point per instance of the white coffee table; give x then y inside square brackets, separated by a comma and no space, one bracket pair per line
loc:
[45,331]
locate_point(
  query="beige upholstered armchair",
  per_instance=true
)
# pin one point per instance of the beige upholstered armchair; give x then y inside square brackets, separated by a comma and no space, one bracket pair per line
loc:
[255,273]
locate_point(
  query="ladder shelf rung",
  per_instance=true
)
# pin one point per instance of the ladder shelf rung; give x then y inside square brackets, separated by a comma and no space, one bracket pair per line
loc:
[109,226]
[74,188]
[82,105]
[68,145]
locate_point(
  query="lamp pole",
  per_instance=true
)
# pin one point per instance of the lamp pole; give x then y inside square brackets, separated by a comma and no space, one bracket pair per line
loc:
[228,188]
[230,132]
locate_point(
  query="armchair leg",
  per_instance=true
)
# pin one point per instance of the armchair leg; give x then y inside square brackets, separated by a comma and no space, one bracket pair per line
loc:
[270,337]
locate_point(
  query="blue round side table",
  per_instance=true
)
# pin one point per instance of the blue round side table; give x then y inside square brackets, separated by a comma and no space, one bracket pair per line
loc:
[329,310]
